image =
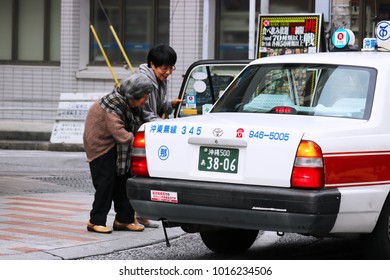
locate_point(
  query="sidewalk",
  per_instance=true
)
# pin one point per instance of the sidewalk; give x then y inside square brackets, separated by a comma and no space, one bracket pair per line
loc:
[52,226]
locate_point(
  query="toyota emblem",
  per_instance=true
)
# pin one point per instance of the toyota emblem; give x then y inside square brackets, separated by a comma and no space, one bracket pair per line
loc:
[217,132]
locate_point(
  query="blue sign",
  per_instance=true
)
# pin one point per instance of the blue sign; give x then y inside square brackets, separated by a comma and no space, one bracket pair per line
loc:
[340,38]
[383,30]
[190,100]
[369,43]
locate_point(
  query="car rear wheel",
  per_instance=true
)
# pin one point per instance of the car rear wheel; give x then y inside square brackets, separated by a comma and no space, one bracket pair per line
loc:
[229,241]
[377,244]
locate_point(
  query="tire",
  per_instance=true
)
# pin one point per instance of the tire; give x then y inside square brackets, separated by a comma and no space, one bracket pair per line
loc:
[229,241]
[377,244]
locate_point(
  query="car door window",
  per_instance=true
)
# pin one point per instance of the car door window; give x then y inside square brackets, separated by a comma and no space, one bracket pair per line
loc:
[204,85]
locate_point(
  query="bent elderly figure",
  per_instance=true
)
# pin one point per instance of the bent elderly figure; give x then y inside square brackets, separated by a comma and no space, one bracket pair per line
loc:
[110,126]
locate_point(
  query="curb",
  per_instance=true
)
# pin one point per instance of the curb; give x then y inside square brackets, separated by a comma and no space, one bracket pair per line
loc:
[40,145]
[20,136]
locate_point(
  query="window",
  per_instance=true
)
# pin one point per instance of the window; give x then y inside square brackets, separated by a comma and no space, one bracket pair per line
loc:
[288,6]
[204,84]
[30,31]
[232,29]
[365,14]
[320,90]
[139,24]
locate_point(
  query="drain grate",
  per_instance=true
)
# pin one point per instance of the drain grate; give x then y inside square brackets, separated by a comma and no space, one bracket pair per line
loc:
[79,184]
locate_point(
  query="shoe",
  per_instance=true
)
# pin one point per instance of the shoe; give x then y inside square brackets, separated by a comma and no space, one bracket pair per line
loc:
[130,227]
[98,228]
[147,223]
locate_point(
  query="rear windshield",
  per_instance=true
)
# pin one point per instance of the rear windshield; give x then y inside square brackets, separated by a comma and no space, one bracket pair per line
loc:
[320,90]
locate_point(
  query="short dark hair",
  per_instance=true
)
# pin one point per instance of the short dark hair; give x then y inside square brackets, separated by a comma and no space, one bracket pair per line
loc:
[161,54]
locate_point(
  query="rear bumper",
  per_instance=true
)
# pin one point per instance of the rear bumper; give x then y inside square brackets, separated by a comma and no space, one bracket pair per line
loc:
[237,206]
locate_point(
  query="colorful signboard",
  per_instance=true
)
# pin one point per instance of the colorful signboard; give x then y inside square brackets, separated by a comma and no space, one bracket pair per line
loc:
[288,34]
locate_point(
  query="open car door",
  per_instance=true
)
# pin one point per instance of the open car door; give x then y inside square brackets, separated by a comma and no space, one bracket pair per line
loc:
[204,82]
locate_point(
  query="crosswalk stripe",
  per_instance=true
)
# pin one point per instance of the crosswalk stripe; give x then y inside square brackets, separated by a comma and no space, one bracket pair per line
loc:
[47,206]
[45,219]
[7,237]
[49,235]
[45,226]
[46,200]
[25,249]
[28,210]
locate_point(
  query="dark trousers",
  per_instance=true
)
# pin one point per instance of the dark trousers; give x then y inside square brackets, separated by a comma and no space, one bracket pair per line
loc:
[109,187]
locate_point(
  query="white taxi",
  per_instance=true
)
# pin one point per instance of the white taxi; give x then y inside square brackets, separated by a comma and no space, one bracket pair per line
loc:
[297,143]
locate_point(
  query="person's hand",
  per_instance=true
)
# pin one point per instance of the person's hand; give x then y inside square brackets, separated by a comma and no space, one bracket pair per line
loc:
[176,101]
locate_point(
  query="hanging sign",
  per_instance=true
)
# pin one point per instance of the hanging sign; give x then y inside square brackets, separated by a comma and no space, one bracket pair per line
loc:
[288,34]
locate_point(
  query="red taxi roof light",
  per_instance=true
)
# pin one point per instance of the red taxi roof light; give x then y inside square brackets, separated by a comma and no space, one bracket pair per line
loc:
[284,110]
[308,170]
[139,164]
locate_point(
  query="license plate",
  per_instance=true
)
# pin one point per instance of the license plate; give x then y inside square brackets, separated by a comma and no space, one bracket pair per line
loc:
[218,159]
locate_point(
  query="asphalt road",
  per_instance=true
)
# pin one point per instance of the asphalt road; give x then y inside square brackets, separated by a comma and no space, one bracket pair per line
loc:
[69,170]
[268,246]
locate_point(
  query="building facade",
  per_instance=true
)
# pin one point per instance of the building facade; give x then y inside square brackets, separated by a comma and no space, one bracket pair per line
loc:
[47,46]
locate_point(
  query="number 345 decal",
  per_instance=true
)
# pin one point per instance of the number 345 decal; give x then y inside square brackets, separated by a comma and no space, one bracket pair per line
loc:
[191,130]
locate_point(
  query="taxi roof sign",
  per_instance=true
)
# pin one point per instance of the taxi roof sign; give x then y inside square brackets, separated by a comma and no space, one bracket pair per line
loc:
[342,38]
[369,44]
[382,33]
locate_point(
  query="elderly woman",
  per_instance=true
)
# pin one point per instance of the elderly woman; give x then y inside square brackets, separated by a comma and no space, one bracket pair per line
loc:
[109,131]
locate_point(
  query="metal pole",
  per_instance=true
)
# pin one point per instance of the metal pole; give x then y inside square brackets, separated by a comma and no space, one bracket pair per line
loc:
[104,55]
[252,29]
[206,27]
[121,48]
[264,6]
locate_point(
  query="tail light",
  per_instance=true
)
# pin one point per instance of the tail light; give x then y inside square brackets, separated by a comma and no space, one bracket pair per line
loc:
[308,170]
[139,165]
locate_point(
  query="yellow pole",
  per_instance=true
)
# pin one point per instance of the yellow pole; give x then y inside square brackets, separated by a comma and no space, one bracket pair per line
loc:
[104,55]
[121,48]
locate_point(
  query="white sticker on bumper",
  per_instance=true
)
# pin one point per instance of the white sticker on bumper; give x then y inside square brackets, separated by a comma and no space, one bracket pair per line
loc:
[163,196]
